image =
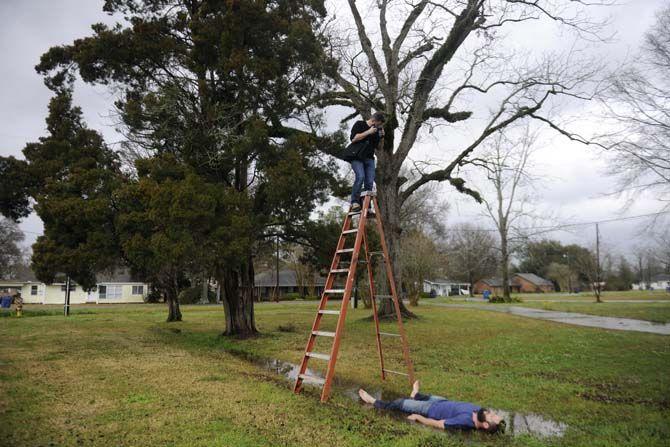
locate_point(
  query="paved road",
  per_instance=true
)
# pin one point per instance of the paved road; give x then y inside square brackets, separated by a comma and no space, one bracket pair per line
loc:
[621,324]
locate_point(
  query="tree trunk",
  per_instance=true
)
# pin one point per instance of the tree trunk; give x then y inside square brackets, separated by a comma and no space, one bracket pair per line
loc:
[389,204]
[504,264]
[172,299]
[238,301]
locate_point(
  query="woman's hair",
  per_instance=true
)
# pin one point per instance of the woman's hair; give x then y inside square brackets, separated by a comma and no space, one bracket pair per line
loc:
[378,116]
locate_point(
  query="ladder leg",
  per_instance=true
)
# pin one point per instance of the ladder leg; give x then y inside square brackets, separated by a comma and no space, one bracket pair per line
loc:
[374,306]
[394,294]
[322,305]
[345,301]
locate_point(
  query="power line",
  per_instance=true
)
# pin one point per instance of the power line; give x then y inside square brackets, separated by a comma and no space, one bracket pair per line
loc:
[567,225]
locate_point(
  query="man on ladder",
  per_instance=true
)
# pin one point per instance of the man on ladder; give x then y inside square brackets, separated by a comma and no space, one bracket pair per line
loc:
[349,258]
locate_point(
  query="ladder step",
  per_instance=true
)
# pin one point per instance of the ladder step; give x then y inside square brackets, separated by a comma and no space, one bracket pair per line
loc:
[389,334]
[334,291]
[355,230]
[340,271]
[353,213]
[312,379]
[345,250]
[324,333]
[317,355]
[395,372]
[329,312]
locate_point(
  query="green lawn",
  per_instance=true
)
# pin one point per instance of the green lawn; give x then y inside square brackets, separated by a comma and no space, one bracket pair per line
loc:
[607,295]
[119,375]
[656,312]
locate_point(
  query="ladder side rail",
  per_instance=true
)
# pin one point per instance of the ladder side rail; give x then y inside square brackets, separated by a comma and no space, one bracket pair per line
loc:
[374,305]
[394,294]
[345,301]
[322,304]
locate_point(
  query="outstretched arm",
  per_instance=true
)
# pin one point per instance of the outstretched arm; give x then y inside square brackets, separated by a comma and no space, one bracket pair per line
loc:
[426,421]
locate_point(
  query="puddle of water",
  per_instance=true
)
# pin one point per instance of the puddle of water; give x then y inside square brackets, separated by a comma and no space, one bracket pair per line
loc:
[532,424]
[517,423]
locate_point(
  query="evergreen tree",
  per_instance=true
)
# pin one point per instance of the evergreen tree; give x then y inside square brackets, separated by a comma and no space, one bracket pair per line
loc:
[72,174]
[211,83]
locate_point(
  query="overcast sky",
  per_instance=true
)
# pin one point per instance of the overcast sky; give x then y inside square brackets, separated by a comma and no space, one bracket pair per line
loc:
[572,186]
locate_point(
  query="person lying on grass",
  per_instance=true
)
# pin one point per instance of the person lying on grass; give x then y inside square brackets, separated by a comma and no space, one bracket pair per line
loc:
[438,412]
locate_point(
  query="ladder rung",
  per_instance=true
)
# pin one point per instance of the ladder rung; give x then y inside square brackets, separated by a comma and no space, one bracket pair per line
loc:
[353,213]
[324,333]
[317,355]
[334,291]
[389,334]
[345,250]
[396,372]
[312,379]
[339,271]
[355,230]
[329,312]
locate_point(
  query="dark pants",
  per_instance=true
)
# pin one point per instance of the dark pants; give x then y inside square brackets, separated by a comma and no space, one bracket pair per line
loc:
[419,405]
[364,170]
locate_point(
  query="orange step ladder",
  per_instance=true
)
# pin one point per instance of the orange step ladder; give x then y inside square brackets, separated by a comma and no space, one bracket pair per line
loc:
[358,232]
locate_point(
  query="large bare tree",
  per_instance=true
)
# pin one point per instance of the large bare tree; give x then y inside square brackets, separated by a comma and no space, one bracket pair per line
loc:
[638,107]
[507,162]
[445,67]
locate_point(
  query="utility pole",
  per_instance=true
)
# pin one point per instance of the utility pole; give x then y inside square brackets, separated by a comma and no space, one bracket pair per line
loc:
[276,297]
[66,308]
[597,263]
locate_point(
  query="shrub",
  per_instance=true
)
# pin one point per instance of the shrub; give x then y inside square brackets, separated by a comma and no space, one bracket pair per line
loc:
[500,299]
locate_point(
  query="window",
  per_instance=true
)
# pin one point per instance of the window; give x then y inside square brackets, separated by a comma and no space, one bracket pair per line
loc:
[72,288]
[109,292]
[33,290]
[138,290]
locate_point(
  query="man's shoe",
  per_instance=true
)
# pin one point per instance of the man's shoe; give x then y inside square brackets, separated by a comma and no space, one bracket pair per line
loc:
[355,207]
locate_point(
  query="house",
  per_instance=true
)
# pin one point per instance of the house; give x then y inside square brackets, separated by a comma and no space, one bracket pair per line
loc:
[494,285]
[119,287]
[519,282]
[657,282]
[266,282]
[531,283]
[446,287]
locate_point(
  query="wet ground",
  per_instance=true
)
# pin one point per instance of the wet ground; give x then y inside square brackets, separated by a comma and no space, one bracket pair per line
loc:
[517,424]
[621,324]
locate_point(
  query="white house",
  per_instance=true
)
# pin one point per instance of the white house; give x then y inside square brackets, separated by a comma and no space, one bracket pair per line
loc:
[116,288]
[658,282]
[446,287]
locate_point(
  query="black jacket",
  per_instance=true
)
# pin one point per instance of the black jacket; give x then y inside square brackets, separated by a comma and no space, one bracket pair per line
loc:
[372,140]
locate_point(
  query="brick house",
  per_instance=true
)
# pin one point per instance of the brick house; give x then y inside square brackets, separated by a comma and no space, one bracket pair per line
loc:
[494,285]
[531,283]
[518,283]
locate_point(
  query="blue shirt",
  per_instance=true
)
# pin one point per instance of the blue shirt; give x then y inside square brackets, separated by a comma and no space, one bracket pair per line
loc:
[455,414]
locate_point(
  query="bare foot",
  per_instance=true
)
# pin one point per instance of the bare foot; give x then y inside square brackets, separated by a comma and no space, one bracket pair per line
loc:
[415,389]
[365,397]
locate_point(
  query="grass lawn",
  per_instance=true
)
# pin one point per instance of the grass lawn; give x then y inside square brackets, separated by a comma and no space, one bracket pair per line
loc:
[606,295]
[656,312]
[119,375]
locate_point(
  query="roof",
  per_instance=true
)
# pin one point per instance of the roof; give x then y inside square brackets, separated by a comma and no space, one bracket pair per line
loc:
[287,278]
[533,278]
[496,282]
[26,275]
[445,281]
[660,277]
